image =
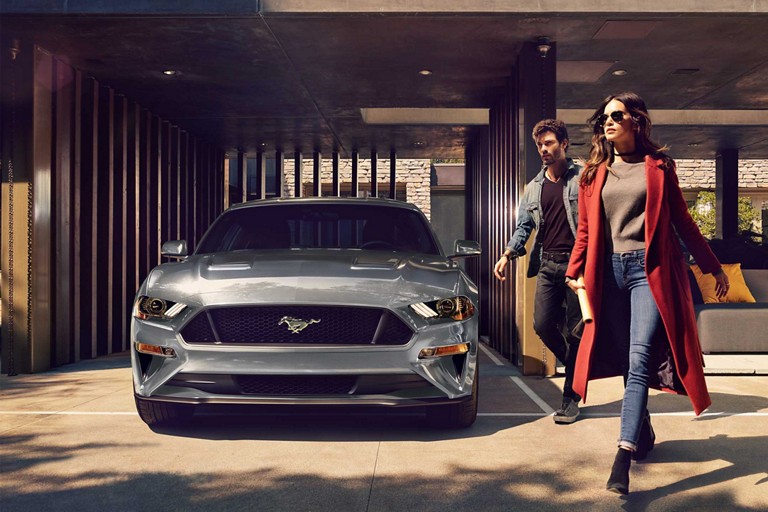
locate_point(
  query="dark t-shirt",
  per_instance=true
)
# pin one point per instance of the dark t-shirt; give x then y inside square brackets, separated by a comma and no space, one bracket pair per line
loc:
[557,233]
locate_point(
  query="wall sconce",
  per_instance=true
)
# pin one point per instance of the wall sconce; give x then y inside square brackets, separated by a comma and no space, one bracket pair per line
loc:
[15,49]
[544,45]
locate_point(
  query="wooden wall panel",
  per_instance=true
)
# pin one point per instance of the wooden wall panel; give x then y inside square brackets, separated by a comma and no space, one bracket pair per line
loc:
[99,184]
[490,167]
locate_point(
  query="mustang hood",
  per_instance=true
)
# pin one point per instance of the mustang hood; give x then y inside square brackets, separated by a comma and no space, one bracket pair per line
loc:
[329,276]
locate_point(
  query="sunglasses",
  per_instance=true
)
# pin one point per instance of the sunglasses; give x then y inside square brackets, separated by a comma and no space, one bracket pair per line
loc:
[616,115]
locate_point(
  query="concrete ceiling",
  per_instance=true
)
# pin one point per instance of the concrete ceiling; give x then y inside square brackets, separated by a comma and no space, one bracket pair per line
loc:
[292,76]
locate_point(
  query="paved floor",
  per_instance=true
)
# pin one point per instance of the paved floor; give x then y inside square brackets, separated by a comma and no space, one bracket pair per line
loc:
[70,440]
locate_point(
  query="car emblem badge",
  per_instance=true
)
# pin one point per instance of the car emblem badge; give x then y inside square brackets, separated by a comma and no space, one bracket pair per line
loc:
[296,325]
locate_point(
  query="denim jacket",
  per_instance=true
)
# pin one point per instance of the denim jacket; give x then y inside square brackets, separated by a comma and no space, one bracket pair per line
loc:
[529,214]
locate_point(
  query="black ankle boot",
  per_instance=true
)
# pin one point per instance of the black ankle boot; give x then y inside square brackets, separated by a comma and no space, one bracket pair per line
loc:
[646,440]
[619,479]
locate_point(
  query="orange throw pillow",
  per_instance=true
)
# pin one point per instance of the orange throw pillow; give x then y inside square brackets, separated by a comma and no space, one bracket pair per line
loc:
[738,291]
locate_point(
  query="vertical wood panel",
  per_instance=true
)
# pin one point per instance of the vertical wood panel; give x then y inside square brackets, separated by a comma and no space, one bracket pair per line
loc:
[242,172]
[165,182]
[393,174]
[355,189]
[335,184]
[119,323]
[143,193]
[223,180]
[88,183]
[132,205]
[155,191]
[317,165]
[279,173]
[64,217]
[298,170]
[77,219]
[261,175]
[374,174]
[41,271]
[175,184]
[103,218]
[197,192]
[184,182]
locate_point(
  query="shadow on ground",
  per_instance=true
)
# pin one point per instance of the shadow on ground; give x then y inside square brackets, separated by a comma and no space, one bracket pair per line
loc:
[747,457]
[508,488]
[319,424]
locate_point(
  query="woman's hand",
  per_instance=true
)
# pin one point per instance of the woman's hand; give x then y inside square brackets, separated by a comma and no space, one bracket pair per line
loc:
[721,284]
[575,284]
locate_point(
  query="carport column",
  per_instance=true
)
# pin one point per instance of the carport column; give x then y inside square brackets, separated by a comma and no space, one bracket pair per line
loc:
[536,77]
[374,177]
[335,188]
[298,167]
[261,176]
[279,173]
[354,191]
[242,169]
[392,174]
[727,193]
[317,167]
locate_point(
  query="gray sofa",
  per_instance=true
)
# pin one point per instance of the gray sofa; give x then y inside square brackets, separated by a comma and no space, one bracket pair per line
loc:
[739,327]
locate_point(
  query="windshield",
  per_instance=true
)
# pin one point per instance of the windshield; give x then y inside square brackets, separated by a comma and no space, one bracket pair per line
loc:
[320,226]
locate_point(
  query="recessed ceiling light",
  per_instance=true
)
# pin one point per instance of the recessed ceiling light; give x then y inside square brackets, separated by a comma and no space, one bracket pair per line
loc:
[693,144]
[425,72]
[419,143]
[619,72]
[170,72]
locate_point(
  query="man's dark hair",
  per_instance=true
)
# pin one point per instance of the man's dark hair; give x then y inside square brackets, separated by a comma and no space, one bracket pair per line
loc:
[555,126]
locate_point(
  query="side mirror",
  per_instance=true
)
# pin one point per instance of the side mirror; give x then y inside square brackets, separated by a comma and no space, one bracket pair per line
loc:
[465,248]
[174,249]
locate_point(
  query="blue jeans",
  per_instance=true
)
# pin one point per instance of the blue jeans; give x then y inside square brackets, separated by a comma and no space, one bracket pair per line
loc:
[632,317]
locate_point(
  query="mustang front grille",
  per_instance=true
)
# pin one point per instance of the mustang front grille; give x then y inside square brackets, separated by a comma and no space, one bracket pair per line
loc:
[313,325]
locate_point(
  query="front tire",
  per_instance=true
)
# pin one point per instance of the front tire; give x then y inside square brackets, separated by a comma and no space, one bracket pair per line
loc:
[454,416]
[161,413]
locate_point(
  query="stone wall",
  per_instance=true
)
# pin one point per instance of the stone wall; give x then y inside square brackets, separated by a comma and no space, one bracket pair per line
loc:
[700,174]
[415,174]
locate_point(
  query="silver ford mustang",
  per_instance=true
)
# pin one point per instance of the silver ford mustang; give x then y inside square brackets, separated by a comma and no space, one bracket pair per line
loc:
[309,301]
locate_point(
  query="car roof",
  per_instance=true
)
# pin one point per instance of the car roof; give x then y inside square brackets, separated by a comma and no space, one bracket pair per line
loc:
[378,201]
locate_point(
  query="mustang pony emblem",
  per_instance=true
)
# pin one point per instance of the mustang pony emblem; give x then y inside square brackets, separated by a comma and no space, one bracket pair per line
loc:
[296,325]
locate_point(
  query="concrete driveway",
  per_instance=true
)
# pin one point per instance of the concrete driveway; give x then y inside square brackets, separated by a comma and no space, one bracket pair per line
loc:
[71,440]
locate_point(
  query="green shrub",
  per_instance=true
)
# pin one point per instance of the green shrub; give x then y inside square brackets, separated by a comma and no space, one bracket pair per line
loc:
[703,213]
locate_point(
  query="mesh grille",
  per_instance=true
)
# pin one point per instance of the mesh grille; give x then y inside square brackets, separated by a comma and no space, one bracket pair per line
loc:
[296,385]
[325,325]
[393,331]
[199,330]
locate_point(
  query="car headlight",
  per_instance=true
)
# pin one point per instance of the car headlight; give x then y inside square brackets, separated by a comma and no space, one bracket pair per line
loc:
[152,307]
[456,308]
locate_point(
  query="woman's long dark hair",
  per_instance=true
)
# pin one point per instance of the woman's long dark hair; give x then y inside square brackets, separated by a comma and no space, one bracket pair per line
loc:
[602,150]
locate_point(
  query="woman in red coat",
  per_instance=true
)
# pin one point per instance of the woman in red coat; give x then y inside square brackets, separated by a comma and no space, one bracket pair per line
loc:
[628,257]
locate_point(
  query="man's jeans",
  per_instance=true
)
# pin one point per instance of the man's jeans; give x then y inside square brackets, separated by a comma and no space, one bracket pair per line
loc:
[633,324]
[549,321]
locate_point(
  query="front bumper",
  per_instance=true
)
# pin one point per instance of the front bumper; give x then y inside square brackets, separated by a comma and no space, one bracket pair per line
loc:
[380,375]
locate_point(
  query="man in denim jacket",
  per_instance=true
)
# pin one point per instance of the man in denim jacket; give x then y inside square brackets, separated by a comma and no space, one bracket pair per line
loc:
[549,206]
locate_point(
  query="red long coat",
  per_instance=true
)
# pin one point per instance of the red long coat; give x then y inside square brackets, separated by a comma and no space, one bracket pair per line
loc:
[679,362]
